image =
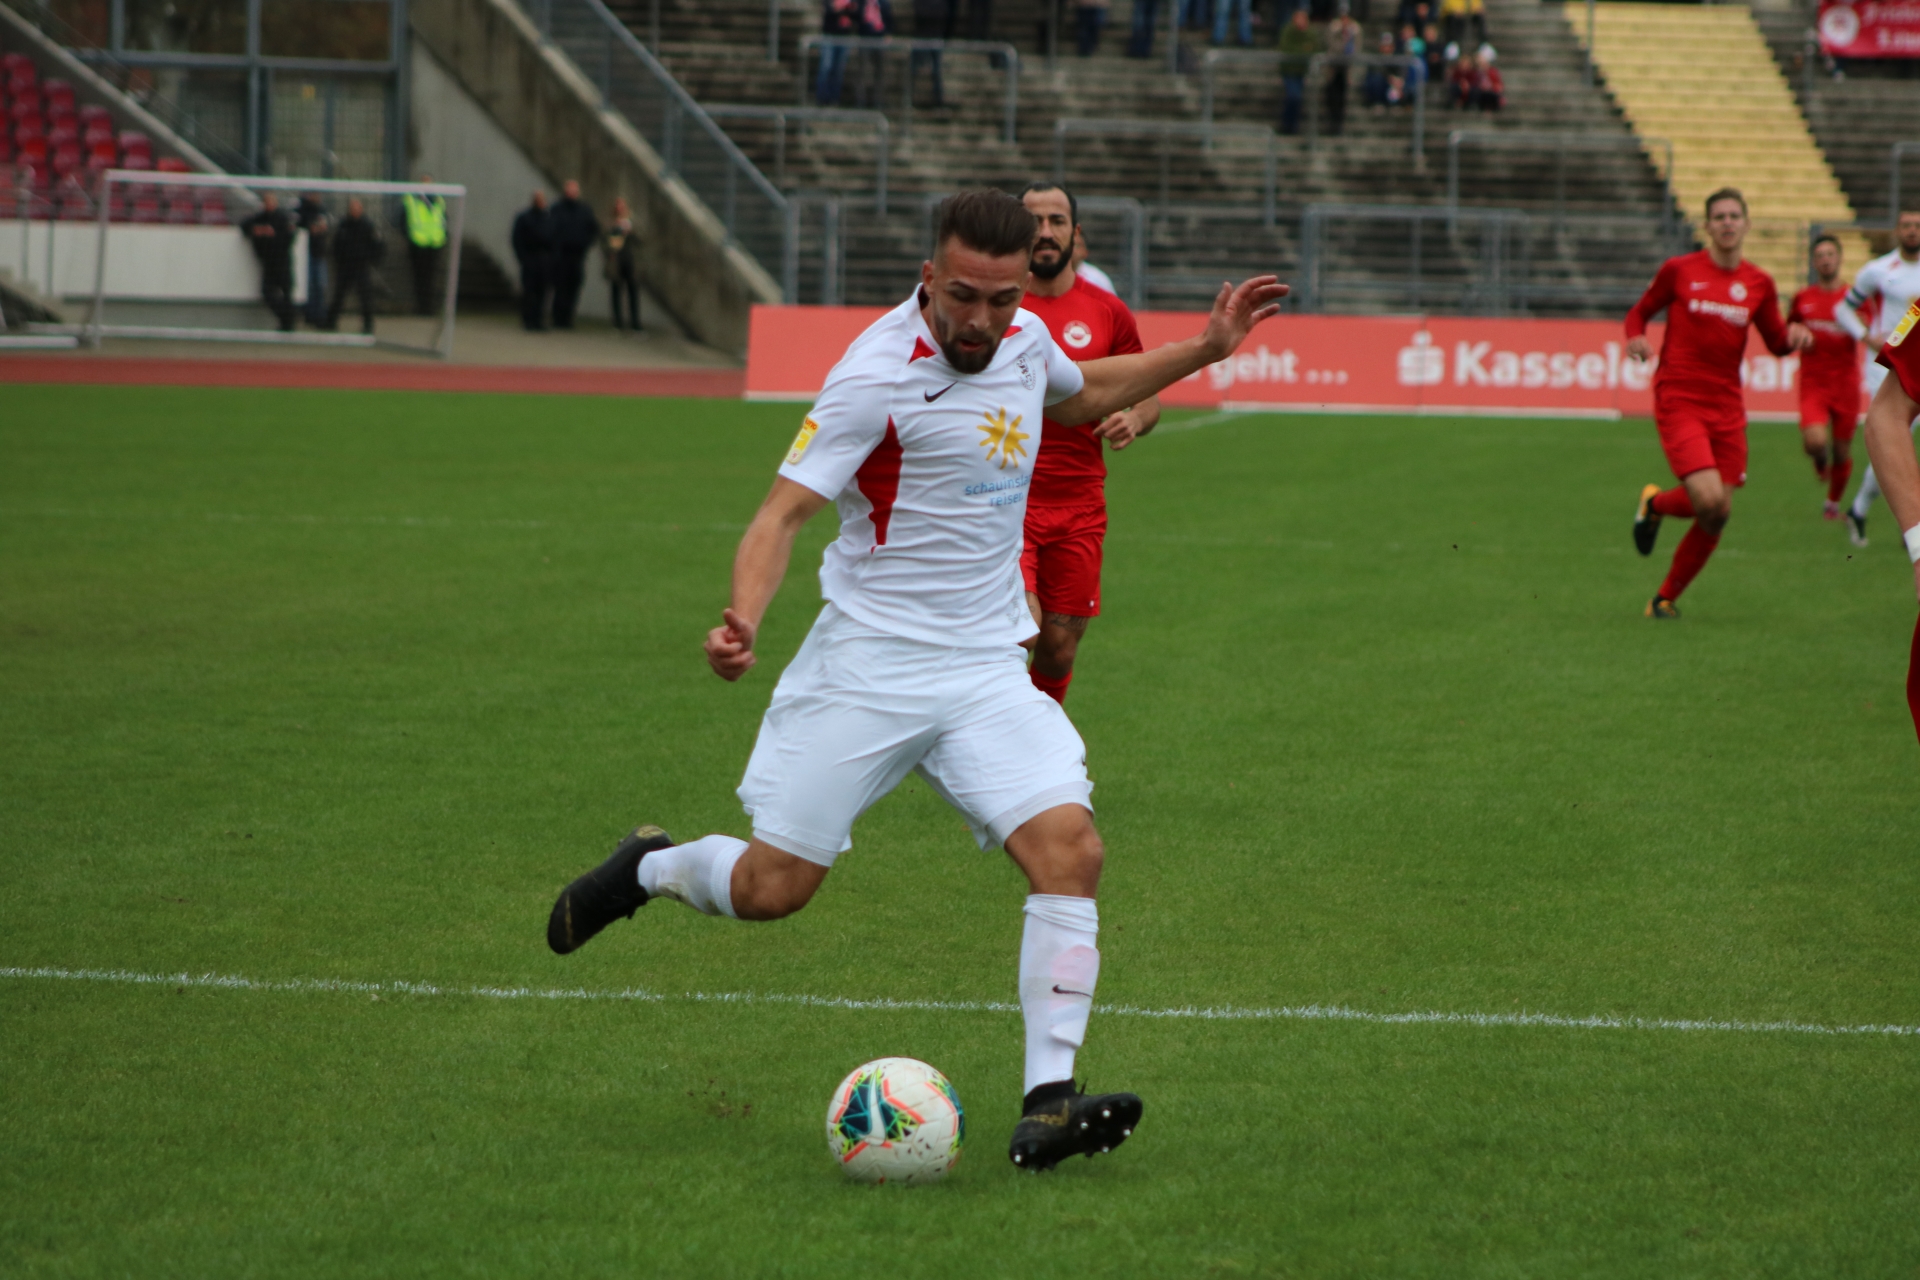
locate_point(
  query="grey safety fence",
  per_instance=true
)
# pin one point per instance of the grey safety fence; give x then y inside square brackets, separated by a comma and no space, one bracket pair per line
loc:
[692,145]
[1899,150]
[1317,68]
[1561,143]
[1125,216]
[780,116]
[881,46]
[1265,146]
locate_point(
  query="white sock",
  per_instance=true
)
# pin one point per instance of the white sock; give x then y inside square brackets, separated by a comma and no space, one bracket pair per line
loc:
[699,874]
[1869,490]
[1059,963]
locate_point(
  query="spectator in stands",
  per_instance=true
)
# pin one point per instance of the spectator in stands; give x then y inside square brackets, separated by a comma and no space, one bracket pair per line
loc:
[1194,14]
[1297,47]
[533,250]
[932,20]
[1223,13]
[270,233]
[1460,78]
[1489,91]
[426,223]
[1413,45]
[575,230]
[1140,44]
[876,21]
[837,18]
[622,266]
[1343,44]
[1089,17]
[1384,85]
[1458,15]
[318,224]
[1436,56]
[357,249]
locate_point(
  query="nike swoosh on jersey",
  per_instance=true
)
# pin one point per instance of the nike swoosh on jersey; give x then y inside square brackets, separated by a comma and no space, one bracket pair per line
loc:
[931,396]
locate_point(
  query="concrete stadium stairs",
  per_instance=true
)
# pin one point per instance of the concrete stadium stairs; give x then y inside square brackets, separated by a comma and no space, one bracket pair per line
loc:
[1704,78]
[718,50]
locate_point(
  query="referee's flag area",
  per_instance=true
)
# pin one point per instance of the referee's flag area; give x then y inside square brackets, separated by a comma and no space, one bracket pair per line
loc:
[1456,920]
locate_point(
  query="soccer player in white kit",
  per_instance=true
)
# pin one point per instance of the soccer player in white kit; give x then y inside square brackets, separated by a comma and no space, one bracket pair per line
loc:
[1894,280]
[924,436]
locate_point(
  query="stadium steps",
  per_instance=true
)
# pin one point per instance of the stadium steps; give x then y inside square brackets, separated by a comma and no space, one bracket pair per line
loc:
[1704,78]
[1856,116]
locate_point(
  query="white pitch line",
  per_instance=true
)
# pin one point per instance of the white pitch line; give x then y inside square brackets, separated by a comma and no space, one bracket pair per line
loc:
[1226,1013]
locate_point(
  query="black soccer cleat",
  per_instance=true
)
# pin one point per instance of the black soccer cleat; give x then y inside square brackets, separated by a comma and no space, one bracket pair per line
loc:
[1060,1121]
[1856,528]
[609,892]
[1646,521]
[1661,607]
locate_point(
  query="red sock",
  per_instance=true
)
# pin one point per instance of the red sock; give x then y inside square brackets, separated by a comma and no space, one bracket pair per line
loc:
[1054,687]
[1688,559]
[1837,476]
[1674,502]
[1819,461]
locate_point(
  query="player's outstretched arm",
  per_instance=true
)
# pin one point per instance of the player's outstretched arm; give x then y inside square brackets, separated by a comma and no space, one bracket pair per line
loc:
[758,568]
[1118,381]
[1890,448]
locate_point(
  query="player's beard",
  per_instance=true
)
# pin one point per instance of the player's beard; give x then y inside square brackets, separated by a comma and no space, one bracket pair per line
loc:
[1048,270]
[969,361]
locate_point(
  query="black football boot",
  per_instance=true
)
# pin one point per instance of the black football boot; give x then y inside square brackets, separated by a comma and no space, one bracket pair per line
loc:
[609,892]
[1060,1121]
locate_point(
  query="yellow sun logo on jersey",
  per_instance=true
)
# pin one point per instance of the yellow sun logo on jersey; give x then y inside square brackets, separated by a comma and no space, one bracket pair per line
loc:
[1002,439]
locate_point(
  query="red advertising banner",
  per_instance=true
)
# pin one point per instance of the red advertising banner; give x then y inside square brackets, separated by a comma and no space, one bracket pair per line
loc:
[1546,368]
[1870,28]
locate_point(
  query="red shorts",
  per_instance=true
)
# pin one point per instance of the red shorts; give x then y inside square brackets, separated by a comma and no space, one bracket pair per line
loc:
[1835,404]
[1699,436]
[1061,558]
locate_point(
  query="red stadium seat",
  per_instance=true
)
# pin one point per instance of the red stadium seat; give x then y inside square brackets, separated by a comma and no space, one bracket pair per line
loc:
[6,149]
[136,160]
[91,115]
[62,130]
[59,97]
[25,106]
[95,132]
[131,141]
[172,164]
[145,206]
[73,203]
[213,207]
[30,150]
[66,158]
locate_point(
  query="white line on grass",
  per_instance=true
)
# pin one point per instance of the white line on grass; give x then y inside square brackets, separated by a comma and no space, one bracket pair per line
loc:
[1228,1013]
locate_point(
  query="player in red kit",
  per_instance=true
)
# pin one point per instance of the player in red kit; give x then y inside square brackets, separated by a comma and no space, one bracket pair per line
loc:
[1710,298]
[1829,375]
[1890,448]
[1067,501]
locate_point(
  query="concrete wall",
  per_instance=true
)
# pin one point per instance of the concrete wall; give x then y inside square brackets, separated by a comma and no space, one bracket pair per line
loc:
[551,115]
[145,261]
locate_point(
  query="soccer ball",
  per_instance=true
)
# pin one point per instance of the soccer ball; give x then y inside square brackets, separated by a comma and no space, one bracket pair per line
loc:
[895,1120]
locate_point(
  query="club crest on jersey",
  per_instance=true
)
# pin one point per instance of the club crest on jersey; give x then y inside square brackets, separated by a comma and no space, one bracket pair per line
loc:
[1001,439]
[801,441]
[1737,291]
[1026,372]
[1076,334]
[1905,327]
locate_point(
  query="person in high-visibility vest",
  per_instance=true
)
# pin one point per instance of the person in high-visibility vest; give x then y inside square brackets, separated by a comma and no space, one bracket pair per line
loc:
[426,218]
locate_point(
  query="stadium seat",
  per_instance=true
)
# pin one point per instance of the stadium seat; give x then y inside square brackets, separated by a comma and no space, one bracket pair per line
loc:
[62,130]
[102,155]
[91,116]
[6,149]
[72,201]
[213,206]
[136,160]
[59,97]
[95,132]
[133,142]
[31,151]
[66,158]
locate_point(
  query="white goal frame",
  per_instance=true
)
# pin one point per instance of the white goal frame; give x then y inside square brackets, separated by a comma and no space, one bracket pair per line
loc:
[97,327]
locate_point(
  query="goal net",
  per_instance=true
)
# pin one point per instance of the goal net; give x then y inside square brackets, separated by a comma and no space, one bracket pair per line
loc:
[296,261]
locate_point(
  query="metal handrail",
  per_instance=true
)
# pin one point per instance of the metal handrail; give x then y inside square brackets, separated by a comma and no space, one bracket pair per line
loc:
[1166,131]
[669,138]
[912,44]
[1893,177]
[882,140]
[1498,222]
[1315,65]
[1561,143]
[1134,216]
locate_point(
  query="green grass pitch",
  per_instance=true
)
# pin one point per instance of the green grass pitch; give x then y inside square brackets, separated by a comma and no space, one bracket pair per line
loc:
[338,685]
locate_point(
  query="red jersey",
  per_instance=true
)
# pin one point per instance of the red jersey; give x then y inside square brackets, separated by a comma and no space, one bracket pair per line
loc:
[1708,310]
[1089,324]
[1834,358]
[1901,353]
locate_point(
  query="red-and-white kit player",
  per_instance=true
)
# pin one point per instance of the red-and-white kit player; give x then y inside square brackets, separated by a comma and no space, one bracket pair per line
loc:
[1829,375]
[1711,298]
[1067,502]
[1890,447]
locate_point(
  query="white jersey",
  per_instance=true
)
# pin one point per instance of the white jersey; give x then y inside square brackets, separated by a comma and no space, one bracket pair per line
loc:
[1891,279]
[929,469]
[1096,277]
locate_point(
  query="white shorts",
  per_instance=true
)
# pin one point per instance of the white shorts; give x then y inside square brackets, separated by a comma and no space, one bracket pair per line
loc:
[859,708]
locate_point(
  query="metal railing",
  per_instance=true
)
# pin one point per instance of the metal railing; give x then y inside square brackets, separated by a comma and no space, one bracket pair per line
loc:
[1487,291]
[1899,149]
[1130,214]
[1561,144]
[1317,66]
[695,150]
[1167,130]
[1008,55]
[876,120]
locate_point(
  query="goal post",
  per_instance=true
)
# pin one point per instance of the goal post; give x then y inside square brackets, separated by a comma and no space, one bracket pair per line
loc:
[168,248]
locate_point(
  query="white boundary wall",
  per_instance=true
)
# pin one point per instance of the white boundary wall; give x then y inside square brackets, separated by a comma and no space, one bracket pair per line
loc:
[145,261]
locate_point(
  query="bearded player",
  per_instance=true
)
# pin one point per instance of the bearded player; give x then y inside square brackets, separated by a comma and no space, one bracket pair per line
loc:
[1711,297]
[923,438]
[1829,375]
[1890,451]
[1887,285]
[1067,503]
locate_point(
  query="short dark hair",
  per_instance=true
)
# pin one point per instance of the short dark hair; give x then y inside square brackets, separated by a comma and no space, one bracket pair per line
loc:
[1726,193]
[1825,239]
[988,221]
[1073,206]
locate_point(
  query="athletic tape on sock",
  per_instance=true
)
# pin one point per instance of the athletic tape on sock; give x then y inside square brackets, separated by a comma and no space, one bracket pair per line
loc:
[1913,543]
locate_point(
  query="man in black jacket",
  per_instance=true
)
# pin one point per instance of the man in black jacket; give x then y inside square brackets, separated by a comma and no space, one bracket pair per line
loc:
[313,218]
[357,249]
[533,246]
[575,230]
[270,233]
